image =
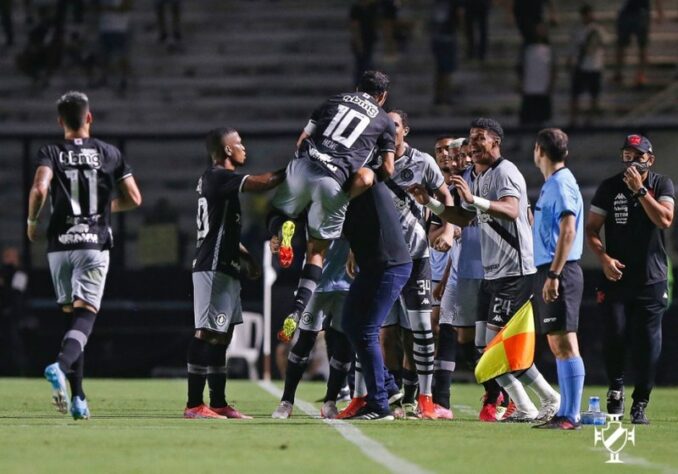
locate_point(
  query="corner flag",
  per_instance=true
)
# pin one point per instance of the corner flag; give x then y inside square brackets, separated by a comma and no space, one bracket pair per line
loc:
[511,349]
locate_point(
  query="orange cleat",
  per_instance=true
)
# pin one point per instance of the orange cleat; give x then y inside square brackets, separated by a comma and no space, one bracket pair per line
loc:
[357,403]
[202,411]
[230,412]
[510,409]
[443,413]
[286,251]
[426,408]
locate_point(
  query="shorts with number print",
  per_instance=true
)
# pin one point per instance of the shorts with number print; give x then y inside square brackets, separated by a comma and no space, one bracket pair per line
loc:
[216,301]
[416,295]
[503,297]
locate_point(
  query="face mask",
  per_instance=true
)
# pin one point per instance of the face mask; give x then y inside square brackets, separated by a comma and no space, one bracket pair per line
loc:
[640,167]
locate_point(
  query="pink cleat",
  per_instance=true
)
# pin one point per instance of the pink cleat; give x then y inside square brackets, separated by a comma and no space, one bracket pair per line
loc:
[201,411]
[230,412]
[443,413]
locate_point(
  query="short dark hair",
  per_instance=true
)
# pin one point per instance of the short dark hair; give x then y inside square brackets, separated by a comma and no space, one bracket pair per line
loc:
[403,116]
[445,137]
[374,83]
[72,108]
[489,124]
[553,142]
[214,143]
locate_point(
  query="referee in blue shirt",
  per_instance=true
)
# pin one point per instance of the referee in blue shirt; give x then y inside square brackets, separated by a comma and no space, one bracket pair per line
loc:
[558,244]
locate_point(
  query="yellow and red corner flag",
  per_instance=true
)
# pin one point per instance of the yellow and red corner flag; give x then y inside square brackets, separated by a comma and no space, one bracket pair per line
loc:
[511,349]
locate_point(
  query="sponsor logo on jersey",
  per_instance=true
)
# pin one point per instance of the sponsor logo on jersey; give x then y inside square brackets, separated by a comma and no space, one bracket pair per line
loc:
[78,234]
[549,320]
[322,158]
[85,156]
[371,109]
[621,209]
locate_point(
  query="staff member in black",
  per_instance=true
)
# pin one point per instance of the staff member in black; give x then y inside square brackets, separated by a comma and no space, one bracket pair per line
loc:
[634,207]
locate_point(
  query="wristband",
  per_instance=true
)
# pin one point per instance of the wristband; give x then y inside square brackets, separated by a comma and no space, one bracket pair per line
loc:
[553,275]
[436,206]
[481,204]
[31,221]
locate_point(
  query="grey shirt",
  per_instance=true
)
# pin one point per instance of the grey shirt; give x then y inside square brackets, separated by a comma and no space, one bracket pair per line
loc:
[414,167]
[506,245]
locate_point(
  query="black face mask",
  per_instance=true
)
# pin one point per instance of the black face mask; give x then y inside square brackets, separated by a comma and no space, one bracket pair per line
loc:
[640,167]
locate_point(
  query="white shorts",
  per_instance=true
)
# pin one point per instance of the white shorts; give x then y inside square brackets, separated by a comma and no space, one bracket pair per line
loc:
[323,306]
[216,301]
[79,274]
[307,185]
[466,313]
[398,315]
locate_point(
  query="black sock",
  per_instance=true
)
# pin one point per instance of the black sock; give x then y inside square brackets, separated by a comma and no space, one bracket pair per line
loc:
[410,384]
[444,365]
[198,360]
[310,276]
[75,339]
[340,363]
[297,361]
[470,354]
[75,377]
[492,389]
[216,374]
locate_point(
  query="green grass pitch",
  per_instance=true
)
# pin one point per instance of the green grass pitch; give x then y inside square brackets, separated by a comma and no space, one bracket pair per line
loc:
[136,427]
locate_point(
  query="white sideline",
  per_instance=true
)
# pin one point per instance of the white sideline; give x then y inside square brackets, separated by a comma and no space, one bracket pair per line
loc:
[371,448]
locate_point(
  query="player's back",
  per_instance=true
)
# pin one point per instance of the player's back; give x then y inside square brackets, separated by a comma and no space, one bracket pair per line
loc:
[346,131]
[86,172]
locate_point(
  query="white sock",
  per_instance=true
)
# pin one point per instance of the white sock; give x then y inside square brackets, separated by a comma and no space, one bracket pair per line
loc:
[517,393]
[536,381]
[423,348]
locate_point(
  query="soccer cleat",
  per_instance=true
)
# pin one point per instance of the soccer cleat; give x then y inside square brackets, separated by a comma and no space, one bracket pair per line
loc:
[370,415]
[615,402]
[79,408]
[443,413]
[202,411]
[289,326]
[410,411]
[521,417]
[638,413]
[230,412]
[425,407]
[395,397]
[488,413]
[507,411]
[357,404]
[329,410]
[559,423]
[286,252]
[283,412]
[548,410]
[344,394]
[57,379]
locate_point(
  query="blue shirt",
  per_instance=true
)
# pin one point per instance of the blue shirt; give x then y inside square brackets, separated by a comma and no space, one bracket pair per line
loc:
[470,264]
[438,261]
[559,197]
[334,276]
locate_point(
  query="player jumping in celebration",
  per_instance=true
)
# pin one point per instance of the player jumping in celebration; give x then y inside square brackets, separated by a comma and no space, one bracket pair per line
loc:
[328,170]
[220,259]
[80,175]
[499,201]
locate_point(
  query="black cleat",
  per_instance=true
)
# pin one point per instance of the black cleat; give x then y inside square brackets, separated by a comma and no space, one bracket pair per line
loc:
[615,402]
[638,413]
[559,423]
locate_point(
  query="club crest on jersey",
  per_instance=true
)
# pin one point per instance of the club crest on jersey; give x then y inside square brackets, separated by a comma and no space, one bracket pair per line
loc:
[78,234]
[221,319]
[86,156]
[486,189]
[407,174]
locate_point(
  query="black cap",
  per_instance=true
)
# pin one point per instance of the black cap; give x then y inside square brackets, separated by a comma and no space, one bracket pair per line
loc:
[638,142]
[488,124]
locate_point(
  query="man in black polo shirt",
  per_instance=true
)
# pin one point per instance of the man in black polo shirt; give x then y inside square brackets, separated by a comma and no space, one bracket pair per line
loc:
[635,207]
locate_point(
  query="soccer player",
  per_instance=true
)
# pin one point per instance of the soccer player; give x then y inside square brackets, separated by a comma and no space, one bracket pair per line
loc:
[342,135]
[499,202]
[220,259]
[558,245]
[324,309]
[80,175]
[635,207]
[413,166]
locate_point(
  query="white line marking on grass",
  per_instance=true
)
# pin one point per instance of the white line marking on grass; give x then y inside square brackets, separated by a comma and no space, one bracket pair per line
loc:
[371,448]
[641,462]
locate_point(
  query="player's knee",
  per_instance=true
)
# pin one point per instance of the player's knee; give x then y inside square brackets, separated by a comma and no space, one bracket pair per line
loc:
[84,305]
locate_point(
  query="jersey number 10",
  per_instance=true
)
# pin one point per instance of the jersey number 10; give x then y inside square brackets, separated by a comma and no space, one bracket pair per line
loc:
[342,119]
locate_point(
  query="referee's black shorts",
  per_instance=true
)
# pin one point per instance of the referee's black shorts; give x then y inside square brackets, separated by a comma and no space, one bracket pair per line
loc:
[562,314]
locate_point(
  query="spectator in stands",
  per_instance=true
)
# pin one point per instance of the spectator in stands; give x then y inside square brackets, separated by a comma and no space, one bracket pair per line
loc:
[175,7]
[587,62]
[634,20]
[530,13]
[537,72]
[42,54]
[477,13]
[13,285]
[114,32]
[364,16]
[7,23]
[444,47]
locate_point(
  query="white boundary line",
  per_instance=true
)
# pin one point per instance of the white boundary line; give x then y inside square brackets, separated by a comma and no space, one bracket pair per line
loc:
[640,462]
[371,448]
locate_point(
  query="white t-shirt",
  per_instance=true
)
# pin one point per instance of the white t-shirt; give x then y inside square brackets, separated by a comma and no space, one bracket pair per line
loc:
[537,63]
[589,42]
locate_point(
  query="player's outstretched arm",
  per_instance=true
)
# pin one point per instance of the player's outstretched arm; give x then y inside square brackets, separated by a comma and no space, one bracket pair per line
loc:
[260,183]
[452,214]
[130,196]
[36,199]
